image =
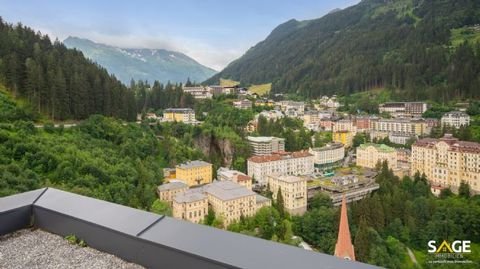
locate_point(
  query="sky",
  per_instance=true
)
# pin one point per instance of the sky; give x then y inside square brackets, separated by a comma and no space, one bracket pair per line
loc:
[213,32]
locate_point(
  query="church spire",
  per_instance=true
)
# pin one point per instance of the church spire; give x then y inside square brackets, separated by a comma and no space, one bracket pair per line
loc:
[344,246]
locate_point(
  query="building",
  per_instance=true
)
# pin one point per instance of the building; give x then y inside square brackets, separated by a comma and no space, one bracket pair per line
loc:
[368,155]
[166,192]
[331,102]
[169,173]
[265,145]
[327,123]
[329,156]
[273,115]
[262,201]
[194,172]
[417,127]
[311,117]
[231,200]
[215,90]
[190,205]
[243,104]
[251,126]
[294,192]
[344,137]
[364,123]
[298,107]
[186,115]
[280,163]
[404,109]
[198,92]
[225,174]
[345,125]
[447,161]
[455,119]
[344,248]
[401,138]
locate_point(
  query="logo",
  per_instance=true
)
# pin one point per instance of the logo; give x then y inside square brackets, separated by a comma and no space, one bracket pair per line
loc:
[446,252]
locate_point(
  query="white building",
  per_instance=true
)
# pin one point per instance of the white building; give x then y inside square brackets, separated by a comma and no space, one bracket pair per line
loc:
[401,138]
[456,119]
[265,145]
[328,156]
[282,163]
[198,92]
[243,104]
[293,190]
[271,115]
[225,174]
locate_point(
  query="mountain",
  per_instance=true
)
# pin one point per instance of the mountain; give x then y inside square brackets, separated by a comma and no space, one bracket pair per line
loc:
[416,48]
[142,64]
[58,82]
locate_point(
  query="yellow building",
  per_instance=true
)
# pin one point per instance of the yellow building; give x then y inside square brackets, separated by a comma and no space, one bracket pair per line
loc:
[294,192]
[447,162]
[194,172]
[186,115]
[168,191]
[231,200]
[191,205]
[344,137]
[368,155]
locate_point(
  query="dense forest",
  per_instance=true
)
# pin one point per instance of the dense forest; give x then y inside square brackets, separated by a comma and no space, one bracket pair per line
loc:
[421,49]
[59,82]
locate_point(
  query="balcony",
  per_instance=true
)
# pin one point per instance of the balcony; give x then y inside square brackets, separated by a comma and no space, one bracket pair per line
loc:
[151,240]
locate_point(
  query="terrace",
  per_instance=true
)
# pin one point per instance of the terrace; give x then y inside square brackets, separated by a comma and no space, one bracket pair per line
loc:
[118,236]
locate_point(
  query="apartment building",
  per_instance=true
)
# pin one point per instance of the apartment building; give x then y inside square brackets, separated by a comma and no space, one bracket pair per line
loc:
[166,192]
[328,156]
[265,145]
[281,163]
[286,105]
[243,104]
[404,109]
[364,123]
[368,155]
[345,125]
[186,115]
[416,127]
[231,200]
[455,119]
[225,174]
[273,115]
[401,138]
[447,161]
[294,192]
[344,137]
[311,117]
[190,205]
[194,172]
[198,92]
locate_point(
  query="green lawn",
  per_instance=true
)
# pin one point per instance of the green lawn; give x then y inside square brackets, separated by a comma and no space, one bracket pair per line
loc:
[261,89]
[228,82]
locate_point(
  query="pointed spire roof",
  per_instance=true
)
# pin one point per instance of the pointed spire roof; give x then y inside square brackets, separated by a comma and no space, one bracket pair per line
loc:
[344,246]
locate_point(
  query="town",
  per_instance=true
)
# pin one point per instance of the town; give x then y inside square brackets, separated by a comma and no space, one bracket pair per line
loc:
[343,168]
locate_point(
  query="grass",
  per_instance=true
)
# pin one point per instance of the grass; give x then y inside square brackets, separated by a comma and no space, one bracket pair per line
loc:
[261,89]
[228,82]
[401,8]
[460,35]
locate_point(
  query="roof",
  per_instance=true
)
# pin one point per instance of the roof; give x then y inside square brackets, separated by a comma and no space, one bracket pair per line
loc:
[329,146]
[173,185]
[378,147]
[288,179]
[164,242]
[344,247]
[178,110]
[261,199]
[279,156]
[263,139]
[454,143]
[189,197]
[227,190]
[192,164]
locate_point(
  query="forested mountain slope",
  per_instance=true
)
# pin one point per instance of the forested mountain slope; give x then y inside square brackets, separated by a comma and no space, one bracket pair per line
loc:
[425,48]
[57,81]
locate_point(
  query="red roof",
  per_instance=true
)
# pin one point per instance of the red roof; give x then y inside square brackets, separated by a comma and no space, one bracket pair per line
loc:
[454,143]
[344,246]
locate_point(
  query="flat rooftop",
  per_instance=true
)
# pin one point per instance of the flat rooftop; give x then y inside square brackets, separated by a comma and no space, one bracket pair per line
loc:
[39,249]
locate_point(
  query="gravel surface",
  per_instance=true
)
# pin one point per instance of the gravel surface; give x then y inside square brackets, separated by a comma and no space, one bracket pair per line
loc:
[39,249]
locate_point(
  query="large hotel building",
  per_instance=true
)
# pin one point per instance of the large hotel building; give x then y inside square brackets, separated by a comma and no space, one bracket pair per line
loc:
[265,145]
[280,163]
[368,155]
[294,192]
[328,156]
[447,161]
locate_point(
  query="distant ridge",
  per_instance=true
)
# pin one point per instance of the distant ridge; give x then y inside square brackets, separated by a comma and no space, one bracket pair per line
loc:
[142,64]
